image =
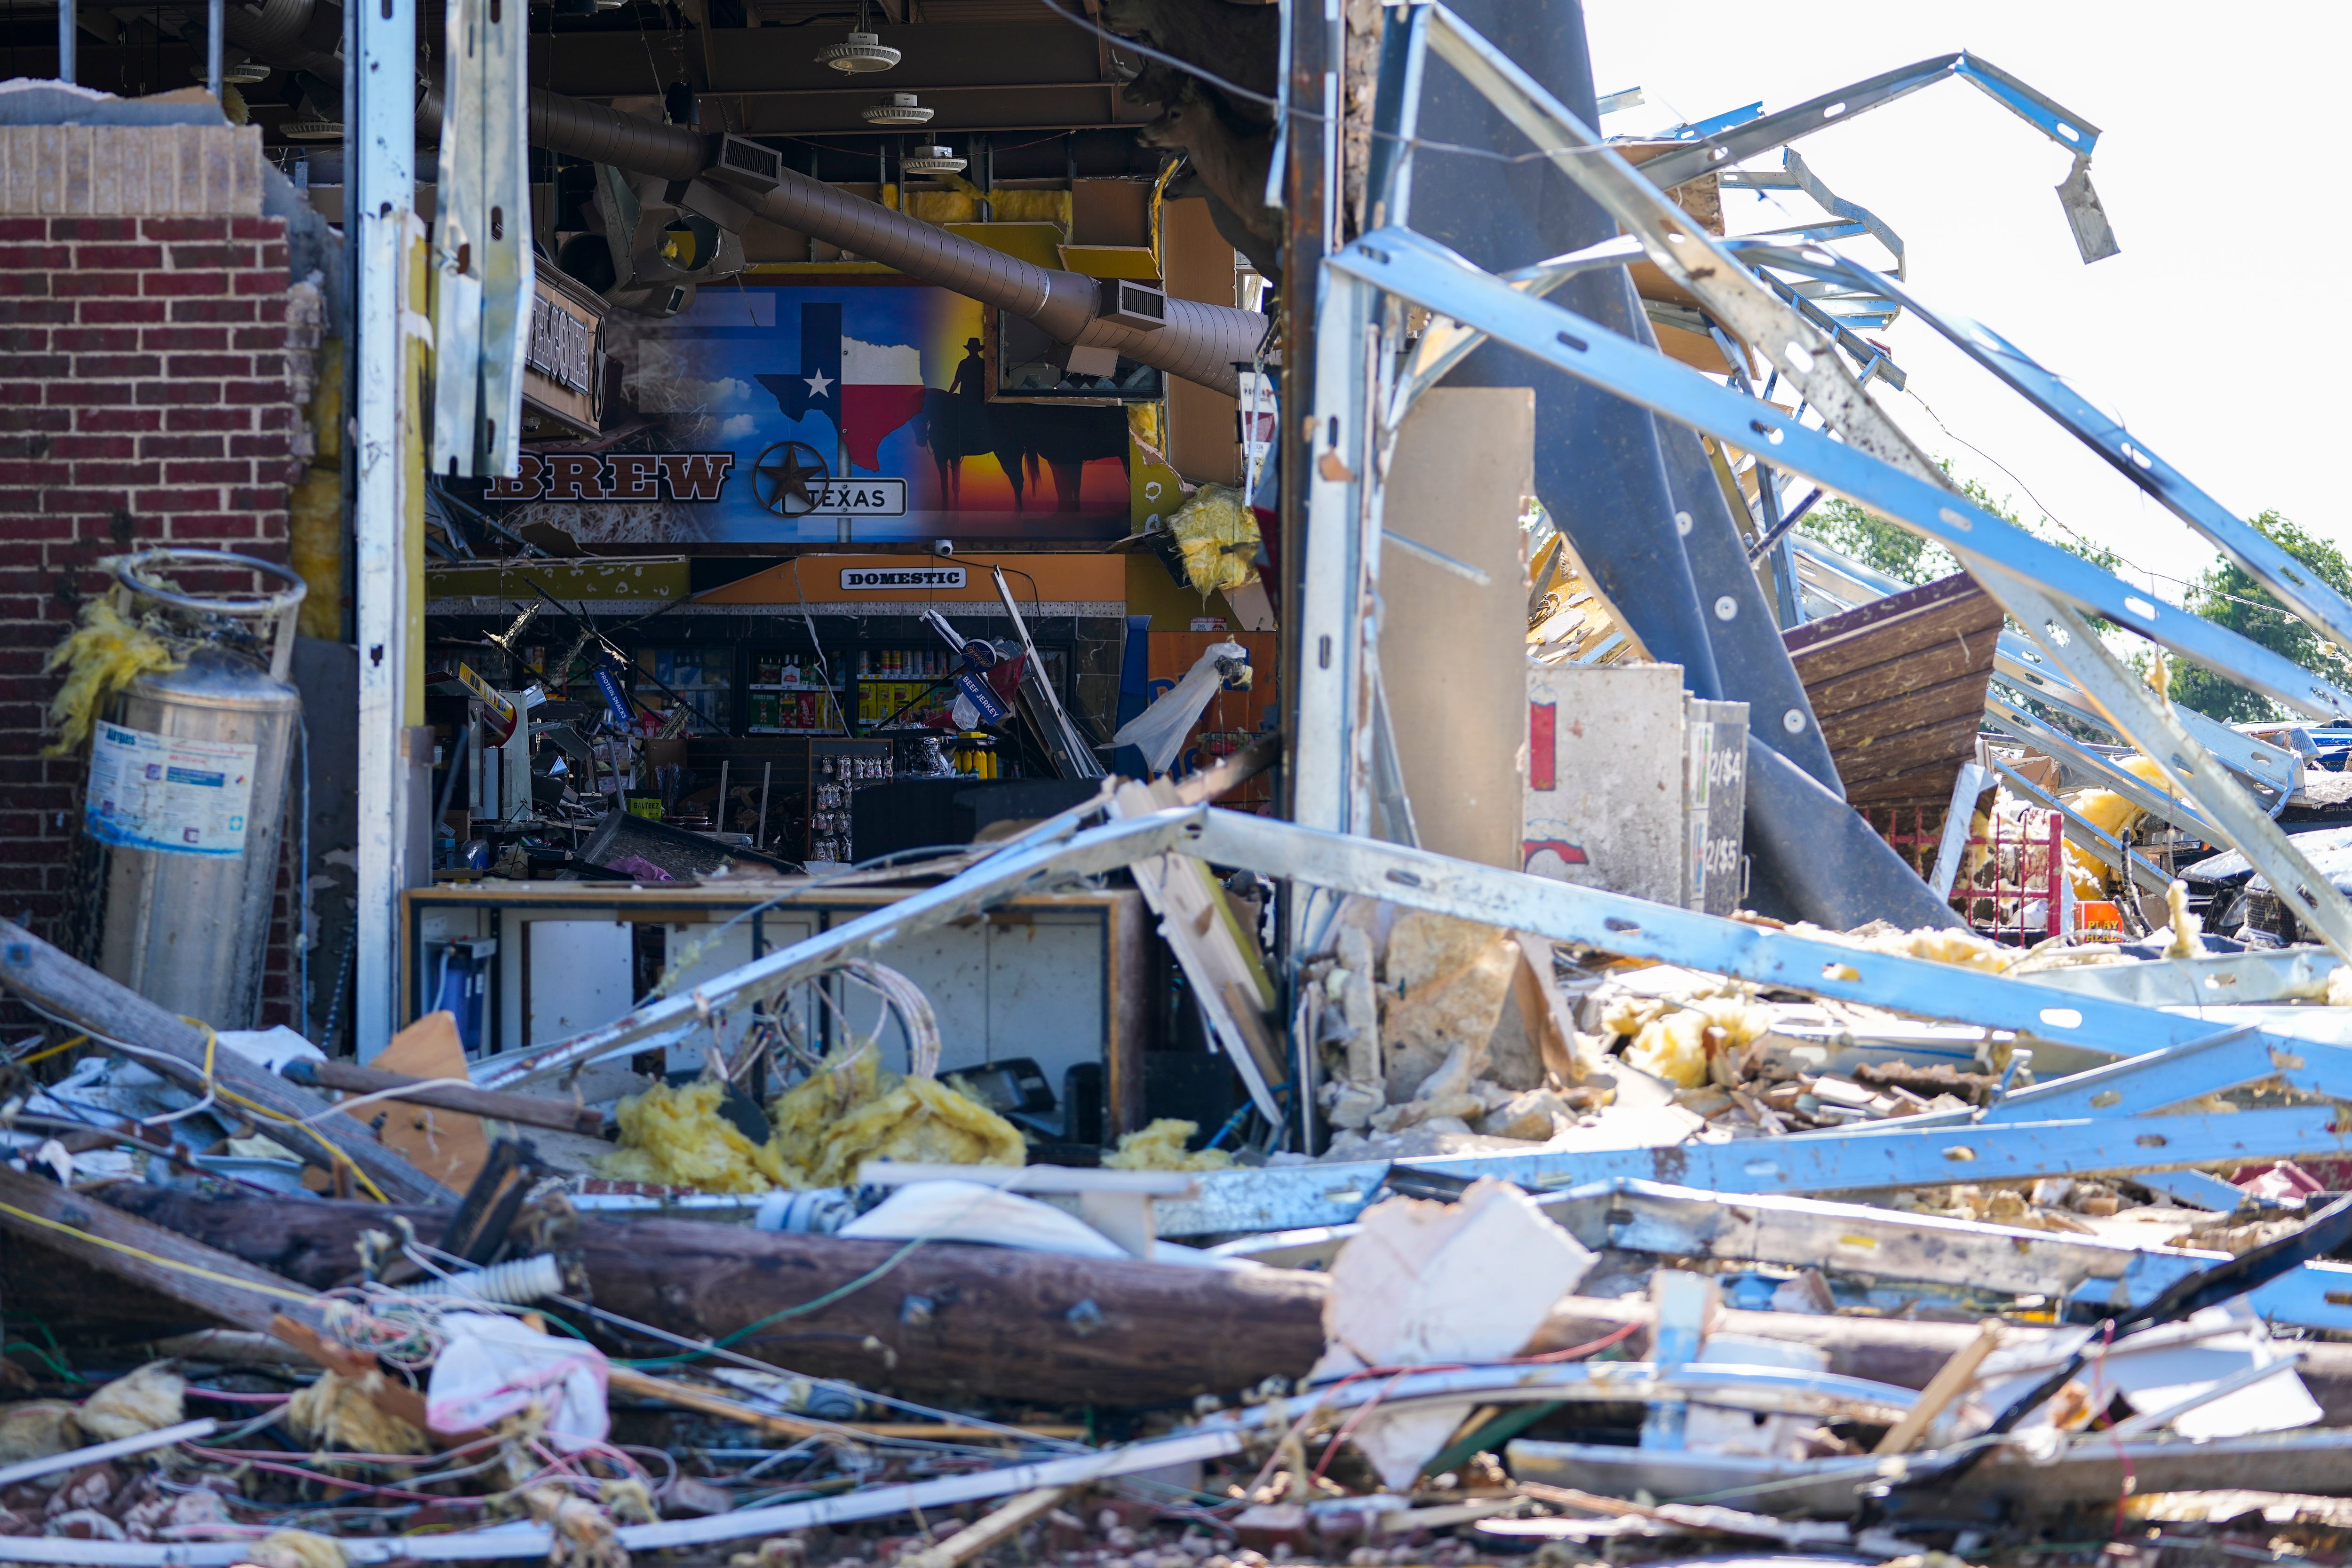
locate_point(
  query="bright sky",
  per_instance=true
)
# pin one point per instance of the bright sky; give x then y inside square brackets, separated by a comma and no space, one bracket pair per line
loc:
[2217,334]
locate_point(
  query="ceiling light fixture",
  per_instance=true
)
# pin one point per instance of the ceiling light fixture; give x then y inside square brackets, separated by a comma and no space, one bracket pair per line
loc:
[902,110]
[932,160]
[860,53]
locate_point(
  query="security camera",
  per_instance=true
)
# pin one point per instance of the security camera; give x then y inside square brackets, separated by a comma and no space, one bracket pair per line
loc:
[943,547]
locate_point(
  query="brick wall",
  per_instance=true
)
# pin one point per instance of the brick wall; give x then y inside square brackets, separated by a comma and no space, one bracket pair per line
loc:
[154,363]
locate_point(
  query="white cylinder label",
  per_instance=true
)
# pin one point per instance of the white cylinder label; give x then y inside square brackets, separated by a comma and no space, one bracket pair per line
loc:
[165,792]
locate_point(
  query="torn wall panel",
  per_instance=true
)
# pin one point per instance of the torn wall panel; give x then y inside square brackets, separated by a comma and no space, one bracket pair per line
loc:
[1451,651]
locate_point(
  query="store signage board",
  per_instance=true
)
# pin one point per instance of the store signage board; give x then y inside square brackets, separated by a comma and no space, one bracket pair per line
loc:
[1092,578]
[898,578]
[823,410]
[863,499]
[563,358]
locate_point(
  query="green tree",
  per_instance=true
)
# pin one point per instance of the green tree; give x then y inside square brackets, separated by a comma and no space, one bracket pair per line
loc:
[1876,543]
[2229,596]
[1910,557]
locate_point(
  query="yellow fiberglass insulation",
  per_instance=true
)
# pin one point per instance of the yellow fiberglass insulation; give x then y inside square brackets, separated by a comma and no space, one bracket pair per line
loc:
[102,654]
[1944,944]
[2187,943]
[2111,814]
[1682,1046]
[1160,1147]
[854,1110]
[675,1137]
[821,1131]
[1628,1014]
[339,1412]
[147,1400]
[299,1549]
[1218,534]
[37,1428]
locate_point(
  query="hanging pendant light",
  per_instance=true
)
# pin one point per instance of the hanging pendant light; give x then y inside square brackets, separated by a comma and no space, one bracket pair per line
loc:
[932,160]
[902,110]
[861,53]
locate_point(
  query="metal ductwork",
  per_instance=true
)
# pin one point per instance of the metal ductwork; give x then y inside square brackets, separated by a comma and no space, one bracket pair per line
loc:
[296,34]
[603,135]
[1198,342]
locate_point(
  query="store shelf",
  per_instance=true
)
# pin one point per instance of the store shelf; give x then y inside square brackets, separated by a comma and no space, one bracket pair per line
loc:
[756,687]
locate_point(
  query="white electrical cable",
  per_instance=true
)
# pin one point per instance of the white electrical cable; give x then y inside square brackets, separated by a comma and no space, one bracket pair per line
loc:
[518,1282]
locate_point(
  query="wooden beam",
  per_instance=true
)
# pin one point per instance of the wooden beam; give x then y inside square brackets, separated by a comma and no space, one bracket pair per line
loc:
[530,1110]
[57,985]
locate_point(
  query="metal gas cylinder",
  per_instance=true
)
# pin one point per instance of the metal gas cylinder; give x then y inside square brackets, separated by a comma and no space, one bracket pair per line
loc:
[187,790]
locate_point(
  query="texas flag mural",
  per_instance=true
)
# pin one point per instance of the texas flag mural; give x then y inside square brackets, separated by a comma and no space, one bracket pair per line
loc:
[867,390]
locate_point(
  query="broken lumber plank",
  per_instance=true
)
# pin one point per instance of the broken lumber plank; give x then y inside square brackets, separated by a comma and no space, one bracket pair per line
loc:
[57,985]
[965,1430]
[629,1380]
[88,1306]
[987,1530]
[530,1110]
[1951,1379]
[946,1319]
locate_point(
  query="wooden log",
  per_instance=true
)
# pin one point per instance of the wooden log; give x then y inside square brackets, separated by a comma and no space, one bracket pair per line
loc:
[532,1110]
[175,1048]
[945,1320]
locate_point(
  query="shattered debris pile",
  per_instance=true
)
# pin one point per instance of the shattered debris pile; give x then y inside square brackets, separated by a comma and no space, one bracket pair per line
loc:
[1606,1255]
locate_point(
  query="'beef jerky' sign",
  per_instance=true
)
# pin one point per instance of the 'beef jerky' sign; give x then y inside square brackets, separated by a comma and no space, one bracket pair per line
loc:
[563,346]
[562,370]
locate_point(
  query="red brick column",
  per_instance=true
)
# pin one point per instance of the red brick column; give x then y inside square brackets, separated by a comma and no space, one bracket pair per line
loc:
[148,396]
